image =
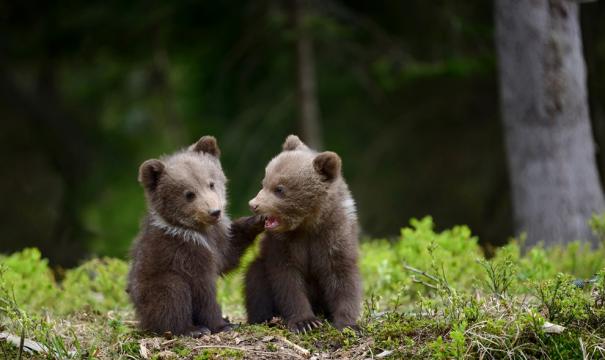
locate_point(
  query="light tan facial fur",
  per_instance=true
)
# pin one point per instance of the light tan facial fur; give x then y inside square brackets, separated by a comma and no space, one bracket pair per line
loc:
[295,182]
[188,188]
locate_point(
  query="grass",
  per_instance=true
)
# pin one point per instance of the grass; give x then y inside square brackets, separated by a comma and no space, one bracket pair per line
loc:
[428,294]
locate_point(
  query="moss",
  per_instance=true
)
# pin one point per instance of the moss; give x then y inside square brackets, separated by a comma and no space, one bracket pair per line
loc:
[209,354]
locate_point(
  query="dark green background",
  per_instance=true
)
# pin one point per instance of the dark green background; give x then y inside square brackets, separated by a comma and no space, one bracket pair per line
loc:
[407,90]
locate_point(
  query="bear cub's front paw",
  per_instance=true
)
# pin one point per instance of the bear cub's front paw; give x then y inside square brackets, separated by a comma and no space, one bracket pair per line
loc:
[225,328]
[198,332]
[257,223]
[303,325]
[224,325]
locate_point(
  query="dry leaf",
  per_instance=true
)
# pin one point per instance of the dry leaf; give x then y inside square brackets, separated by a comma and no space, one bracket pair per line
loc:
[143,350]
[166,354]
[551,328]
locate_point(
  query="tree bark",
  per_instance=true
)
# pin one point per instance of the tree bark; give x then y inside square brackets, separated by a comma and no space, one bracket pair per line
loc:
[68,147]
[309,122]
[550,148]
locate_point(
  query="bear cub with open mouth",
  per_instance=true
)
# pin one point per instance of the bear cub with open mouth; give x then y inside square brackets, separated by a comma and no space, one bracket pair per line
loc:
[186,241]
[307,263]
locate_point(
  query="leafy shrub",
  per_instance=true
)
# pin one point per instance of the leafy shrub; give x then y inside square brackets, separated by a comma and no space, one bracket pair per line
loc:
[539,263]
[98,284]
[30,324]
[29,279]
[452,253]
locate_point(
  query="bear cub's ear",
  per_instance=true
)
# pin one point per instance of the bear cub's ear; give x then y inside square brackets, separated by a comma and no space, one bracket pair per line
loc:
[150,172]
[206,144]
[328,165]
[293,142]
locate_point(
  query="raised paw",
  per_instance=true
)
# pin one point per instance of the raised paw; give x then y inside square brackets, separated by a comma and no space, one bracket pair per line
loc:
[258,223]
[304,326]
[198,332]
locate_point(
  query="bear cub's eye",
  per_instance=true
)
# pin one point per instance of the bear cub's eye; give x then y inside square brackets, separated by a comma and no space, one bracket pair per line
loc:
[279,190]
[189,195]
[211,185]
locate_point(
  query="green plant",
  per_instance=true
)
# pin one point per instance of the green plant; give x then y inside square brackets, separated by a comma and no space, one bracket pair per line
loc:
[30,279]
[34,326]
[500,274]
[98,284]
[563,301]
[450,252]
[428,294]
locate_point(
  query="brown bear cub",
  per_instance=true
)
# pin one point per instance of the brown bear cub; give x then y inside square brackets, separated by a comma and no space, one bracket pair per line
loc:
[307,263]
[186,241]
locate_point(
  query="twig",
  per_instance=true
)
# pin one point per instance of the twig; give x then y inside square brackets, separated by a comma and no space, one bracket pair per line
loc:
[143,351]
[23,344]
[384,354]
[584,354]
[418,281]
[168,342]
[423,273]
[298,348]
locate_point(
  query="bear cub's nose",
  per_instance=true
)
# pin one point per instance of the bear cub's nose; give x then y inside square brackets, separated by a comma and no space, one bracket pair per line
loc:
[215,213]
[253,206]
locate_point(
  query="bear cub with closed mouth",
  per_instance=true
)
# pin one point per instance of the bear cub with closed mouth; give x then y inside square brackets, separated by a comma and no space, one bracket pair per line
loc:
[186,241]
[307,264]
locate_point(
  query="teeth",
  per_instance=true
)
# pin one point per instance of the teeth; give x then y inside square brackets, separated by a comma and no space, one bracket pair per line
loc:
[271,222]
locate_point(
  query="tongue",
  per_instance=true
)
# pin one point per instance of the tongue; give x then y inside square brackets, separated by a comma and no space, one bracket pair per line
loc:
[271,222]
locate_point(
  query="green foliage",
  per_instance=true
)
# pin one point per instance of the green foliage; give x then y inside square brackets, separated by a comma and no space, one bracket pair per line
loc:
[455,348]
[563,301]
[32,324]
[500,274]
[451,252]
[98,284]
[597,223]
[230,287]
[30,279]
[428,294]
[212,354]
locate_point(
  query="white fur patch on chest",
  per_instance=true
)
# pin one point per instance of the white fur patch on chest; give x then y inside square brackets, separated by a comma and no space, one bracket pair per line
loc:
[348,204]
[175,231]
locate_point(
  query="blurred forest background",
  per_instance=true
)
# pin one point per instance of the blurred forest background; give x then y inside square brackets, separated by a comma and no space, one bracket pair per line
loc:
[406,92]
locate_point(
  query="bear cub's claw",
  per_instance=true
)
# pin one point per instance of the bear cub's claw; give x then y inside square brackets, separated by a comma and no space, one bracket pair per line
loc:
[304,326]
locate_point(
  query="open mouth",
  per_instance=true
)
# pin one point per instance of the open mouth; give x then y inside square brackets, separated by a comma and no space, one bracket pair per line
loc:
[271,223]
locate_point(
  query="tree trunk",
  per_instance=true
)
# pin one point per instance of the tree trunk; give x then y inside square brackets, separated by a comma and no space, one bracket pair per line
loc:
[307,95]
[554,179]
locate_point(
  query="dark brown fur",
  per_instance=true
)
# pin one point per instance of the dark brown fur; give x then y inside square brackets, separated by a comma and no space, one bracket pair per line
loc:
[182,249]
[308,264]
